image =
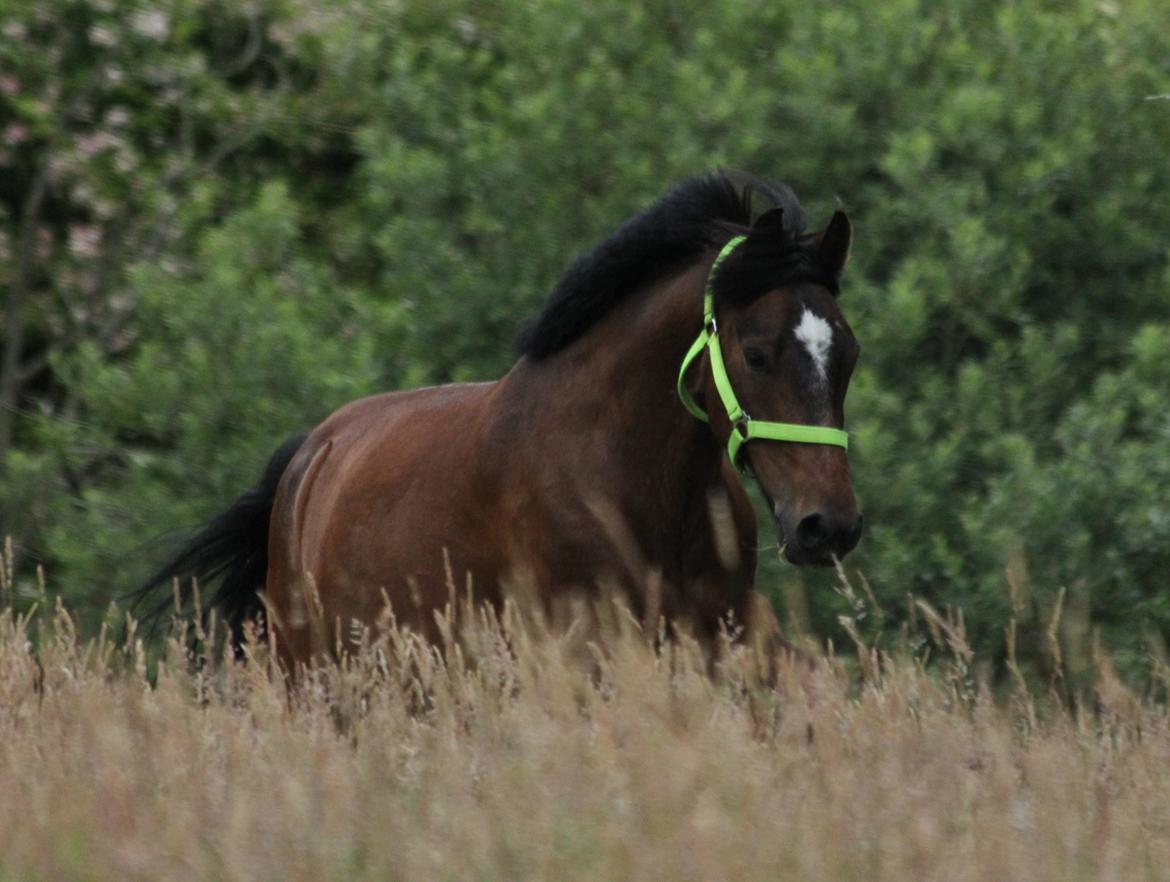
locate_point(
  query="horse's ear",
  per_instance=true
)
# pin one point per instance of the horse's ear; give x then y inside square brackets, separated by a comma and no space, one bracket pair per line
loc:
[772,219]
[834,242]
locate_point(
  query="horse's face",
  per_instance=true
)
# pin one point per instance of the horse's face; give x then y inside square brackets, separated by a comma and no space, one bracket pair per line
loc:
[789,355]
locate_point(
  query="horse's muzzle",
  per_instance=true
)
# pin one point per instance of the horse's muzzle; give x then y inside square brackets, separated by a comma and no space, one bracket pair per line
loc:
[821,537]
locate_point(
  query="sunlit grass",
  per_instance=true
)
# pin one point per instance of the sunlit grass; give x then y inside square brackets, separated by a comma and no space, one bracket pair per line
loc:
[515,753]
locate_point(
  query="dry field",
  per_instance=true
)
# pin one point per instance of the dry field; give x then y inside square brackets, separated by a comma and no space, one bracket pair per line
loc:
[532,762]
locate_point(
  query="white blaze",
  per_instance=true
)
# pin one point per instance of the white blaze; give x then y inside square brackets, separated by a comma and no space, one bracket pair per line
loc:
[817,337]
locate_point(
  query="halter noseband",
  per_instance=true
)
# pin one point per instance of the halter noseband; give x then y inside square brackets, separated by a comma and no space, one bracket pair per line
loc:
[743,427]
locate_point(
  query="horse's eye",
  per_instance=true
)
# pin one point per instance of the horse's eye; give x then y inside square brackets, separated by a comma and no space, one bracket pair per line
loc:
[756,360]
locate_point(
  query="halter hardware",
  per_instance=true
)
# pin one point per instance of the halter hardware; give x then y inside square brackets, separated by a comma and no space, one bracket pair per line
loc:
[743,427]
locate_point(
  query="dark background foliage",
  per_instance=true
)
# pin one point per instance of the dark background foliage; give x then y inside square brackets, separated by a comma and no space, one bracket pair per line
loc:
[219,221]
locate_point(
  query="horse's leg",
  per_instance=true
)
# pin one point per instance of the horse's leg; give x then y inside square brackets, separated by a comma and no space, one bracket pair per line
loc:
[762,631]
[293,604]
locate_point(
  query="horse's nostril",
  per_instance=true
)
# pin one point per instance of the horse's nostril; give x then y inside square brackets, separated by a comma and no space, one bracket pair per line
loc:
[813,532]
[819,532]
[854,534]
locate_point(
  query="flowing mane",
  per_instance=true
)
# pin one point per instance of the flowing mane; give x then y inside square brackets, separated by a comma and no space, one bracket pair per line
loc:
[696,217]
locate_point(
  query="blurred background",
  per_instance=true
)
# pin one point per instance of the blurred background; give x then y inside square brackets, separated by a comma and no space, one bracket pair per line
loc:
[221,220]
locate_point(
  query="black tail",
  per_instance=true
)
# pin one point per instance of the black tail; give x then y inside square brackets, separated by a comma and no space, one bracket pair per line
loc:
[232,549]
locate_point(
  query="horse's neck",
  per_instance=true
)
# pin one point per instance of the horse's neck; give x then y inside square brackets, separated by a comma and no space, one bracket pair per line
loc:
[613,392]
[645,351]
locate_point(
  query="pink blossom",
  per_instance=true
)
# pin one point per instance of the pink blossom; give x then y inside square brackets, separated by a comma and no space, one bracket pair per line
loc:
[100,35]
[84,241]
[153,23]
[93,143]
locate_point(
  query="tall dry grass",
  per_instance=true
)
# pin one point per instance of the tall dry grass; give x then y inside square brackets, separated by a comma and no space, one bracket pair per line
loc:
[519,754]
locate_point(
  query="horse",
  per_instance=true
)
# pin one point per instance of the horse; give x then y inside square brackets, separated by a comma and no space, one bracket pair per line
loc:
[612,452]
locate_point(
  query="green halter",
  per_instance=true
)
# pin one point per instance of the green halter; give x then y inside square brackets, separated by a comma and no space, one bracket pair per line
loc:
[743,427]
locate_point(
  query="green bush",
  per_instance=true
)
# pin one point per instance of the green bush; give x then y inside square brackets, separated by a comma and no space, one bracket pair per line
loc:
[321,201]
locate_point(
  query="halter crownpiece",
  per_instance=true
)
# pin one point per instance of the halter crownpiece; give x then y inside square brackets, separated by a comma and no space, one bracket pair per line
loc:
[743,427]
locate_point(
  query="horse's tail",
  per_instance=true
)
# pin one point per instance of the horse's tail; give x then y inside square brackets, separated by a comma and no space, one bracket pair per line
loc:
[231,549]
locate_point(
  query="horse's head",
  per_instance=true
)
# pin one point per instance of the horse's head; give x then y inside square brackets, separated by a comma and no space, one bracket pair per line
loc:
[788,354]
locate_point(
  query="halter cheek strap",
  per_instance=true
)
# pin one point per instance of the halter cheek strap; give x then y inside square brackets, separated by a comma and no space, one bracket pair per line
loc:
[743,427]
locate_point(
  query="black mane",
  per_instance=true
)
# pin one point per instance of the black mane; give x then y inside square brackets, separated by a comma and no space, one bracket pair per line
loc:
[695,218]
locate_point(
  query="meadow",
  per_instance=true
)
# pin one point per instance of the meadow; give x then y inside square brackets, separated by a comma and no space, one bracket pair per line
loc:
[219,222]
[515,752]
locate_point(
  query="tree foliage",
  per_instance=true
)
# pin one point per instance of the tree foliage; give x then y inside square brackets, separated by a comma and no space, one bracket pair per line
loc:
[220,221]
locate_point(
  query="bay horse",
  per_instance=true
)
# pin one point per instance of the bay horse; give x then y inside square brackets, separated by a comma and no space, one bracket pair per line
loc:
[581,465]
